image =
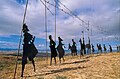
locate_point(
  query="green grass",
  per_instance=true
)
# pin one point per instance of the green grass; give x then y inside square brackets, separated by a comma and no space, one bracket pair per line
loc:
[6,65]
[2,65]
[6,62]
[61,77]
[40,58]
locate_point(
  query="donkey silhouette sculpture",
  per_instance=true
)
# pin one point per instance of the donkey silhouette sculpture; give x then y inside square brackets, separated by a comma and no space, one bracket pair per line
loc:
[60,49]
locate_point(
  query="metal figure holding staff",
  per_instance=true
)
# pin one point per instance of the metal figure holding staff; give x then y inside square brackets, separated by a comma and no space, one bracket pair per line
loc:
[29,49]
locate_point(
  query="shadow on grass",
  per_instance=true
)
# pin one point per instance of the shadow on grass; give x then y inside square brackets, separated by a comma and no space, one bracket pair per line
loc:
[57,71]
[75,62]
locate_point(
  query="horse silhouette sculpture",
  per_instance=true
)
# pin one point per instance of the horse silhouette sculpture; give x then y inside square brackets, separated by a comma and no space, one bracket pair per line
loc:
[60,49]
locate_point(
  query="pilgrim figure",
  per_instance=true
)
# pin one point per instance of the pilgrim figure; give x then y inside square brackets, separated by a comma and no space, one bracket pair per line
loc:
[29,49]
[53,49]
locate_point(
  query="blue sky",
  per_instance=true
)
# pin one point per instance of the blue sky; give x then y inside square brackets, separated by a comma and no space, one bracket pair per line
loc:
[103,15]
[21,1]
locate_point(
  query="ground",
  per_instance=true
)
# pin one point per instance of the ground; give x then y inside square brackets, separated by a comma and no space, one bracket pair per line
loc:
[95,66]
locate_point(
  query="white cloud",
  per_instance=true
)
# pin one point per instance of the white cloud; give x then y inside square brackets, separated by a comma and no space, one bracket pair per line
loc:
[5,44]
[103,13]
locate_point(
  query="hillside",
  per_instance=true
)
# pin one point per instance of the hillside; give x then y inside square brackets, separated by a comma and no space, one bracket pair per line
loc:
[102,66]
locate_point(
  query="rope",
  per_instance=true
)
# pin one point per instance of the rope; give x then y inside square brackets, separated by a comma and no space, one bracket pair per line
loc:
[46,6]
[72,12]
[78,17]
[59,8]
[75,16]
[20,39]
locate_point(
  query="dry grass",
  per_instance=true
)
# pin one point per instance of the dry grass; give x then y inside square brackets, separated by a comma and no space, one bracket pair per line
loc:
[104,66]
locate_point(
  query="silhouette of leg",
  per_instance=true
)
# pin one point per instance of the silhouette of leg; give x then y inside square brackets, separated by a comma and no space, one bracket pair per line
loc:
[51,61]
[55,60]
[80,52]
[84,51]
[33,64]
[24,61]
[60,60]
[23,67]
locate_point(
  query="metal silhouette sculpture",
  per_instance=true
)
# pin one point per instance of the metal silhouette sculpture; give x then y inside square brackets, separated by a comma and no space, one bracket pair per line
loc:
[71,49]
[105,49]
[60,49]
[118,48]
[74,48]
[53,50]
[88,46]
[93,50]
[29,49]
[83,49]
[110,48]
[99,48]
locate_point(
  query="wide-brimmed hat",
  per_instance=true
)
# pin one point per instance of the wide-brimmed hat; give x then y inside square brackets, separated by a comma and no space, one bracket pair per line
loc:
[25,28]
[60,39]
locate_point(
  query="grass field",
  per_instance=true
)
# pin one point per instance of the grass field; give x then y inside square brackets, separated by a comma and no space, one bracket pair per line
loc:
[96,66]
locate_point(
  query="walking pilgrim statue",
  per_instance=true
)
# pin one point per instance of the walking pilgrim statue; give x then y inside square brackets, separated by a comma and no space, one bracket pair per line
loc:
[74,48]
[53,49]
[29,49]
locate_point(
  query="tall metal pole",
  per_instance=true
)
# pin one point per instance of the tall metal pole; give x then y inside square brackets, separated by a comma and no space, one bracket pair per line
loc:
[91,30]
[88,30]
[88,33]
[55,18]
[83,30]
[46,29]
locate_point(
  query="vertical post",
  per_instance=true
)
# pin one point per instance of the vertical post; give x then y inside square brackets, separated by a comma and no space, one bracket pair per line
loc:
[55,19]
[46,30]
[91,33]
[91,30]
[83,30]
[91,39]
[89,42]
[88,30]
